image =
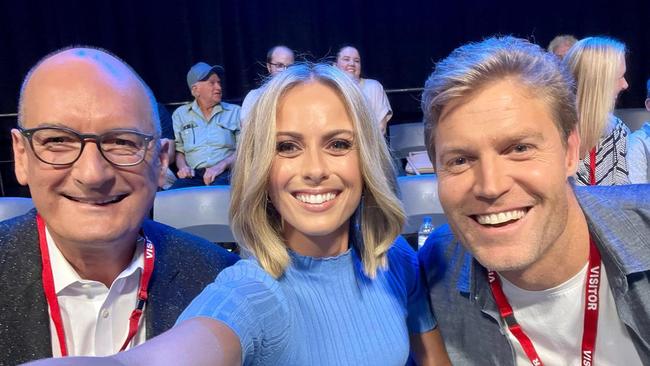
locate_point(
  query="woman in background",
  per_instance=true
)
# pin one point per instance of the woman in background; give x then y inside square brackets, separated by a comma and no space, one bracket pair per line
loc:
[598,66]
[313,200]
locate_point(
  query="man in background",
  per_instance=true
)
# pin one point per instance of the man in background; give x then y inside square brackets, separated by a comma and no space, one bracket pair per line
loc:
[205,131]
[559,46]
[278,58]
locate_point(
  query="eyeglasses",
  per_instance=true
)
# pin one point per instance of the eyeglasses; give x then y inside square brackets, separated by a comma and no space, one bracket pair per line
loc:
[279,65]
[63,146]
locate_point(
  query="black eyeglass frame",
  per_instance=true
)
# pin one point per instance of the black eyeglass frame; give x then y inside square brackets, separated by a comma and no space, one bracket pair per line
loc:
[28,133]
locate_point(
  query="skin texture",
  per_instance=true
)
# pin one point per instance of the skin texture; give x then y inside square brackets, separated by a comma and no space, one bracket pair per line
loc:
[315,155]
[90,92]
[349,61]
[281,56]
[208,95]
[517,162]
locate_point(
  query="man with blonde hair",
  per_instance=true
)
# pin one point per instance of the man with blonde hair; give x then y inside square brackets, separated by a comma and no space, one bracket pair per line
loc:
[530,269]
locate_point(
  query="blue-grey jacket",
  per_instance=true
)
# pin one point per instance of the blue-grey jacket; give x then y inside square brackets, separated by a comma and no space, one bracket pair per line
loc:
[468,318]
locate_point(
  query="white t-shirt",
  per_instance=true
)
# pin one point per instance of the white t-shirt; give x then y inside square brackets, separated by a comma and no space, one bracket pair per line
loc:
[553,319]
[95,318]
[249,102]
[377,99]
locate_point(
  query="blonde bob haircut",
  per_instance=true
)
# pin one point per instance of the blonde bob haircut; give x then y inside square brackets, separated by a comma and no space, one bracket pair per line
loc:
[473,66]
[594,63]
[255,222]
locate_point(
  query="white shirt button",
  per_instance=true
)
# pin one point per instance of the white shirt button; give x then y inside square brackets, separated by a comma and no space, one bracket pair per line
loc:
[105,313]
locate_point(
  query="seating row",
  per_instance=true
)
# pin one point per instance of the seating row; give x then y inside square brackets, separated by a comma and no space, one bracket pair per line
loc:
[203,211]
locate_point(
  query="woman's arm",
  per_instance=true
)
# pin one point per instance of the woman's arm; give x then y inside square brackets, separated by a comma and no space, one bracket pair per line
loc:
[428,349]
[198,341]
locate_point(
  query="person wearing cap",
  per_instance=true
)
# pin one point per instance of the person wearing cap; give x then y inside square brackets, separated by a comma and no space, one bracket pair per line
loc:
[205,131]
[278,58]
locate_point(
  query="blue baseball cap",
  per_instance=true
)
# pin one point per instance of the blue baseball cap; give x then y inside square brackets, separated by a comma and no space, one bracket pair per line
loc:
[201,71]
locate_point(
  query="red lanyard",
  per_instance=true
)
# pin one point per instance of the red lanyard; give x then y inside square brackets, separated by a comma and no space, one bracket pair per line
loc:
[53,302]
[592,295]
[592,167]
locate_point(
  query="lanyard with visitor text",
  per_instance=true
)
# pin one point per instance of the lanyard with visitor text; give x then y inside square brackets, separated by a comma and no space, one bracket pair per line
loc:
[592,167]
[53,302]
[592,295]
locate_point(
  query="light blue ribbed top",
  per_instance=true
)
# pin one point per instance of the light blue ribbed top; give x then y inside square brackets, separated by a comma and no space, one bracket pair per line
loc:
[322,311]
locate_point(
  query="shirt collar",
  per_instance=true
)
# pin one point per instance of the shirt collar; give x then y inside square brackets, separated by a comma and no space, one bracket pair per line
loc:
[65,275]
[194,106]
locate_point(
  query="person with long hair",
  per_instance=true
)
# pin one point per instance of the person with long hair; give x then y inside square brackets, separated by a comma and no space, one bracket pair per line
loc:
[329,281]
[598,66]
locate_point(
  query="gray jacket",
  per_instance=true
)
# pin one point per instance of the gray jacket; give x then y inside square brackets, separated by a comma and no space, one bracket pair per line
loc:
[619,221]
[184,265]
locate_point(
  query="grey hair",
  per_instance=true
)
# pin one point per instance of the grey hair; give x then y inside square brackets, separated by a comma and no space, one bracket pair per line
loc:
[475,65]
[255,222]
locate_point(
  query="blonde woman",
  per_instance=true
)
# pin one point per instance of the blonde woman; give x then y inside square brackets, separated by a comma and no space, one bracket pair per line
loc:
[313,201]
[598,66]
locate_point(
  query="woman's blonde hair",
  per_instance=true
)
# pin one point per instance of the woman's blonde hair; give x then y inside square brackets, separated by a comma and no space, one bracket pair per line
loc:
[594,63]
[255,222]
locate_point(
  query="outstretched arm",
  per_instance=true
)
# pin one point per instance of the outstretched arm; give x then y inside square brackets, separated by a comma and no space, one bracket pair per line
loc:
[198,341]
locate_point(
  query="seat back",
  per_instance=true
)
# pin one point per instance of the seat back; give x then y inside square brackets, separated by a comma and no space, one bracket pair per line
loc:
[202,211]
[14,206]
[406,138]
[420,198]
[634,118]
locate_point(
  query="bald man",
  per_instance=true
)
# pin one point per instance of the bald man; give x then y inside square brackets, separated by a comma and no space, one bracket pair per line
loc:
[278,58]
[87,145]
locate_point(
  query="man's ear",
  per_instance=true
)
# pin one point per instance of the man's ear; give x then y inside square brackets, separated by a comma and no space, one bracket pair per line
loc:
[163,161]
[268,67]
[572,152]
[647,104]
[20,156]
[193,90]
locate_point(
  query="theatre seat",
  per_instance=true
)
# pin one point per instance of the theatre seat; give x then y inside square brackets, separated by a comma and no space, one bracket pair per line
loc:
[14,206]
[202,211]
[420,198]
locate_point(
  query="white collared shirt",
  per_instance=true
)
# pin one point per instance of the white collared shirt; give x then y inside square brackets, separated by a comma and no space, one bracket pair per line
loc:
[95,318]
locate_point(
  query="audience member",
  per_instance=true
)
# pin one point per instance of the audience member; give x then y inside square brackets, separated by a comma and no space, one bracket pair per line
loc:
[73,269]
[561,44]
[639,149]
[598,66]
[278,59]
[530,269]
[349,60]
[313,200]
[205,131]
[167,135]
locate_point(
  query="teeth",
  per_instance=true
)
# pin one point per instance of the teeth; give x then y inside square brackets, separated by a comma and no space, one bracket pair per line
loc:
[315,198]
[109,200]
[501,217]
